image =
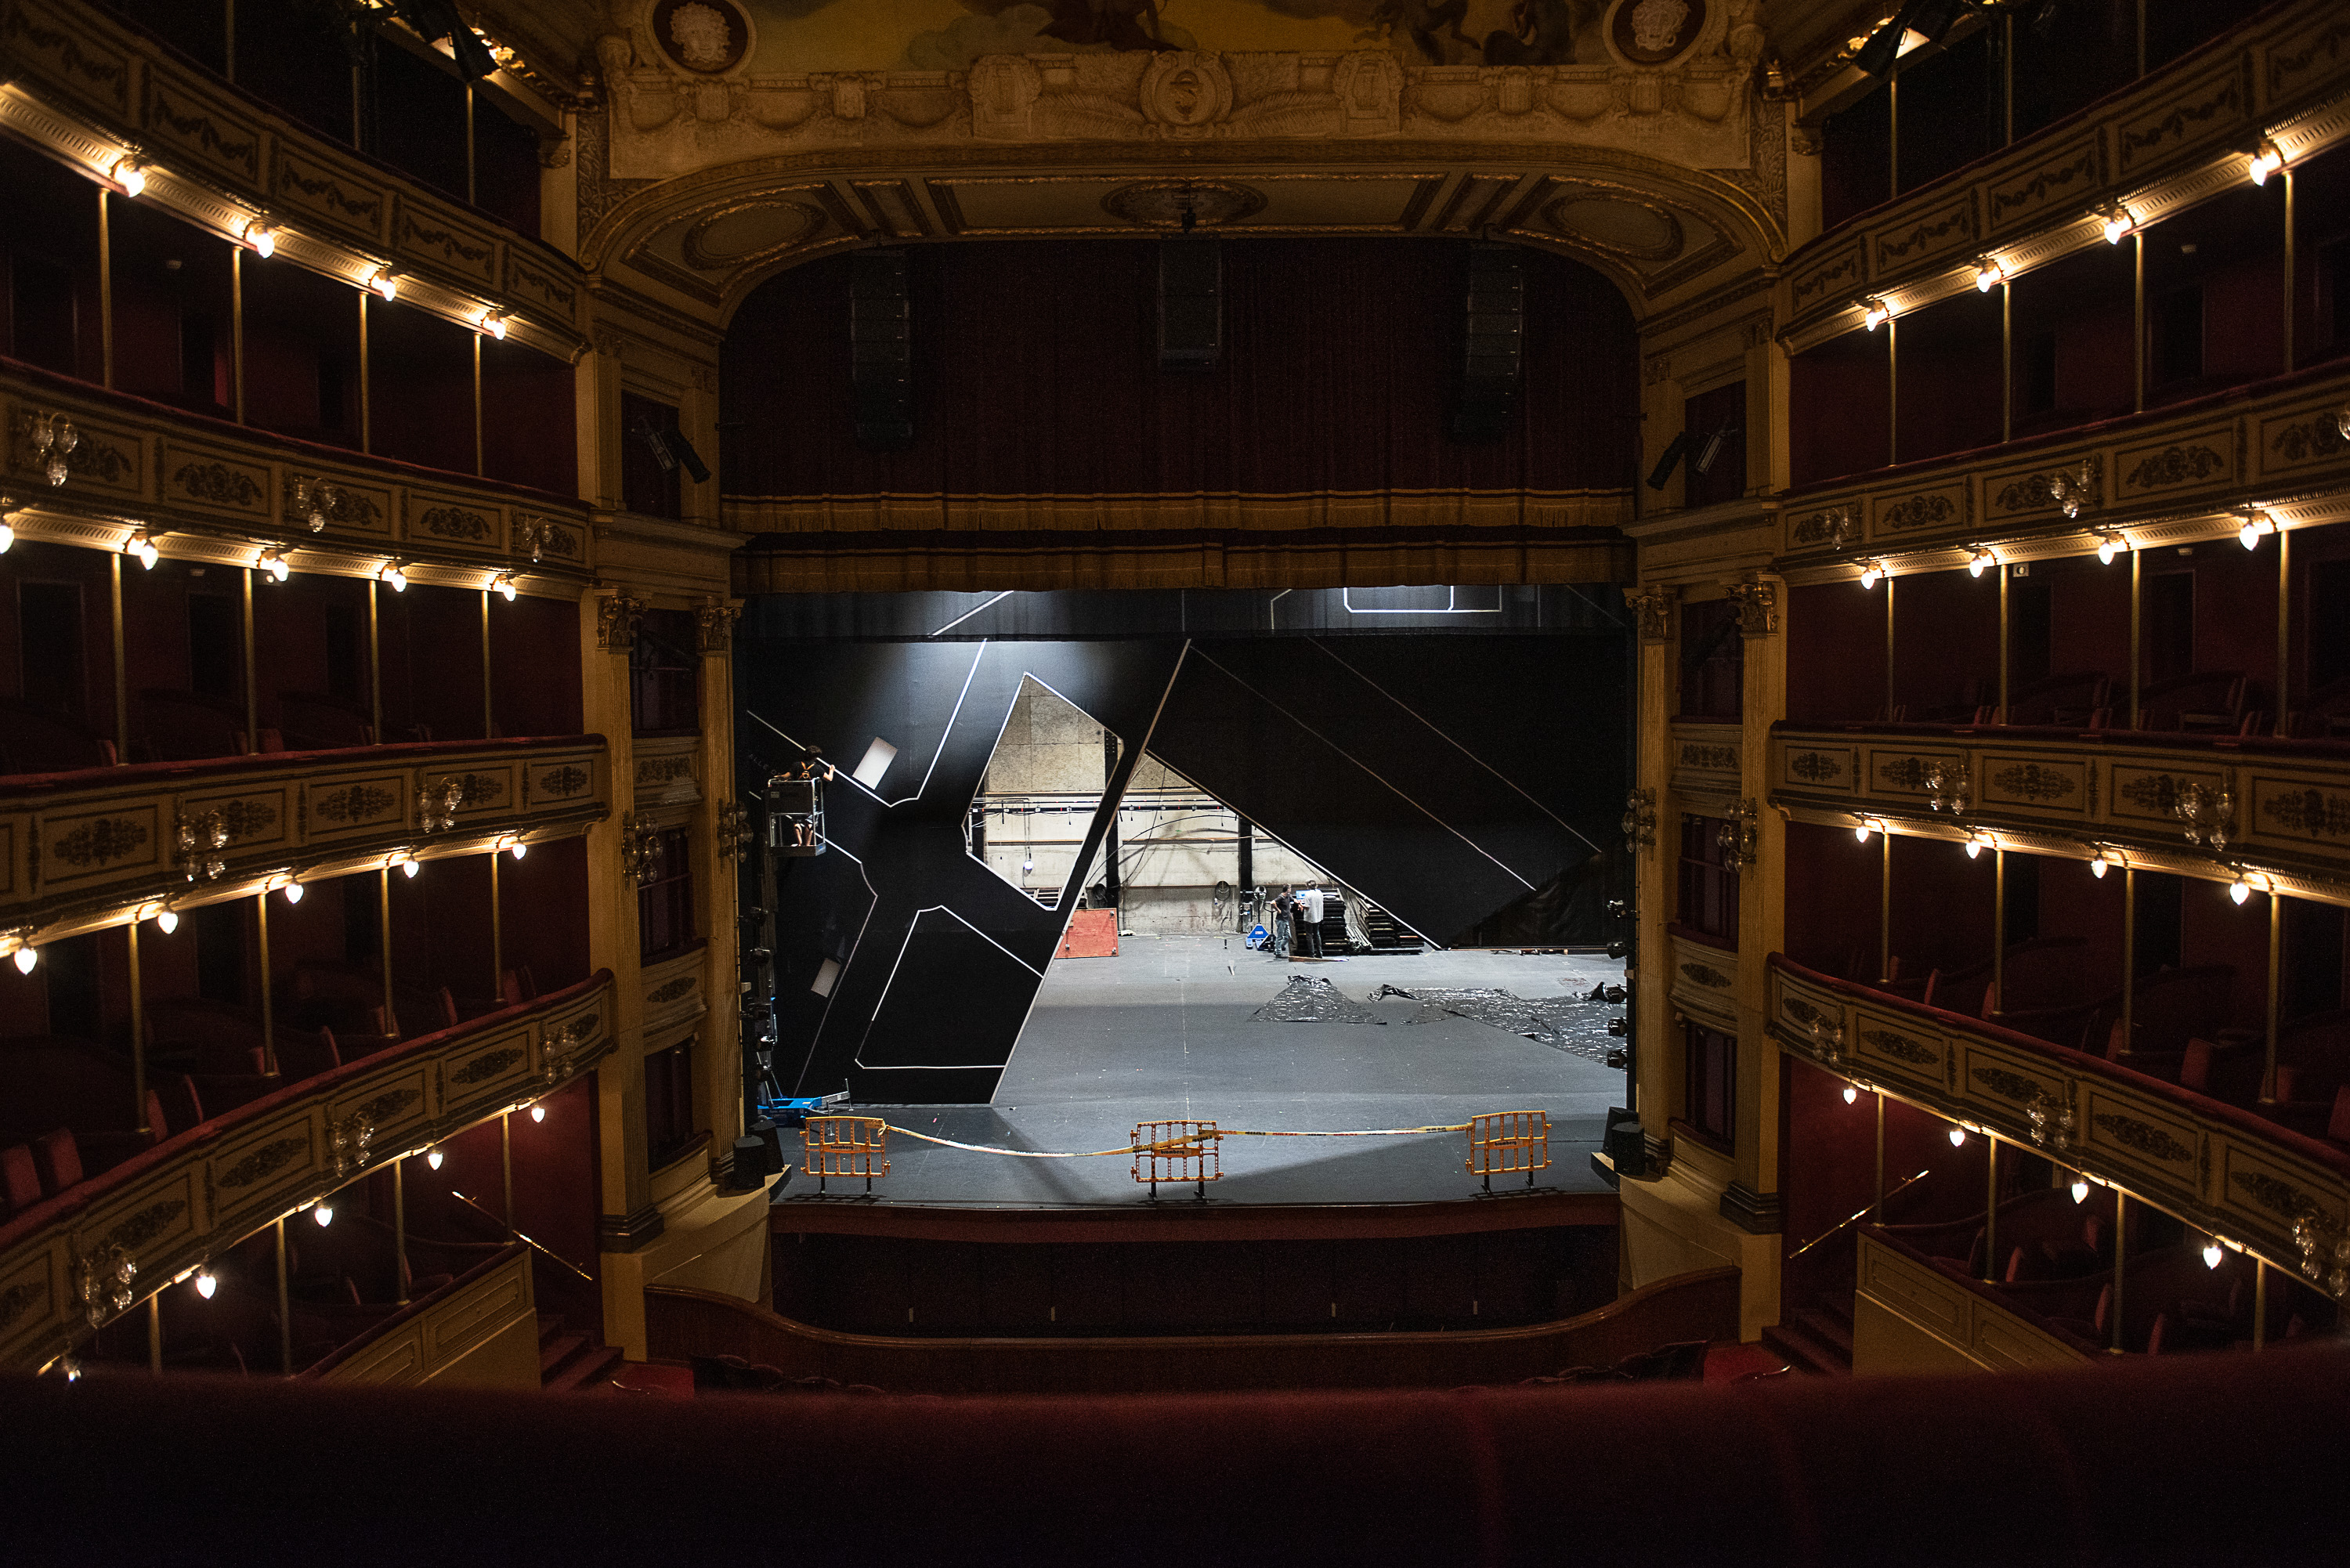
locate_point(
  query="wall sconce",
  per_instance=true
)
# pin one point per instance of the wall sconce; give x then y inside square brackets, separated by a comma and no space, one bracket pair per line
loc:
[103,1277]
[515,846]
[386,283]
[1875,313]
[272,563]
[8,534]
[534,531]
[639,849]
[206,1283]
[1980,561]
[315,501]
[261,238]
[2257,523]
[142,545]
[1864,830]
[1989,274]
[504,585]
[1871,573]
[2117,221]
[2241,890]
[436,809]
[2074,488]
[394,577]
[1948,788]
[286,884]
[2109,543]
[130,174]
[25,955]
[2267,159]
[2207,812]
[1974,847]
[200,841]
[167,918]
[54,439]
[1639,820]
[1740,835]
[2325,1253]
[2099,863]
[493,324]
[733,830]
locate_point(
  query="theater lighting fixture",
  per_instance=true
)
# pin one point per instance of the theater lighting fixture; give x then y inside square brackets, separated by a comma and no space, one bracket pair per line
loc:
[324,1213]
[2256,523]
[1958,1137]
[167,919]
[2109,544]
[1875,313]
[394,577]
[2240,890]
[1850,1094]
[433,1156]
[1974,848]
[292,889]
[130,174]
[262,238]
[272,563]
[206,1283]
[1871,573]
[1989,274]
[2267,159]
[2097,867]
[2080,1190]
[142,547]
[2212,1254]
[383,282]
[505,585]
[1978,563]
[8,534]
[1027,865]
[1861,830]
[27,957]
[517,849]
[2117,222]
[493,324]
[538,1112]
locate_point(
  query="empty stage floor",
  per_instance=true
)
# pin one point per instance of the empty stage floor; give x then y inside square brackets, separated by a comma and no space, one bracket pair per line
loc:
[1163,1031]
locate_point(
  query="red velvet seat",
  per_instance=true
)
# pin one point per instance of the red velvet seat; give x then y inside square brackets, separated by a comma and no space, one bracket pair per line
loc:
[59,1160]
[20,1179]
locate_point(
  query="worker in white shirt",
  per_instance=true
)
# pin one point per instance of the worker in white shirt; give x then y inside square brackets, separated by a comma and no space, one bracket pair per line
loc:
[1309,923]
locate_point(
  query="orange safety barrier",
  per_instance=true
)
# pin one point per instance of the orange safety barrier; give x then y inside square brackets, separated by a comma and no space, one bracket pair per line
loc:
[1509,1142]
[1178,1151]
[845,1146]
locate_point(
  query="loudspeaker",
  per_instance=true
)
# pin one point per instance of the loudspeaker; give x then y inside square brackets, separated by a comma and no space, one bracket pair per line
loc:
[1624,1145]
[1191,303]
[1494,346]
[881,351]
[750,1166]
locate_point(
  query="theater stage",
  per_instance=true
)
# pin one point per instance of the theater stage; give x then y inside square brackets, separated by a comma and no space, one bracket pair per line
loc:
[1165,1030]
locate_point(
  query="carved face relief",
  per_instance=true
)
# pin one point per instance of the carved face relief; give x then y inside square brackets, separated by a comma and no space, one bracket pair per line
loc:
[1183,94]
[1656,24]
[702,36]
[1656,32]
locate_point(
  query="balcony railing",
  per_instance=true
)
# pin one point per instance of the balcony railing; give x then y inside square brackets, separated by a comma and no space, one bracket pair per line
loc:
[2178,136]
[193,1196]
[88,90]
[77,849]
[2116,794]
[2281,1196]
[215,493]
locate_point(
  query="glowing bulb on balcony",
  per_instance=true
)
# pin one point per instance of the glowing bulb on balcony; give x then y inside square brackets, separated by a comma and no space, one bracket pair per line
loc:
[2212,1254]
[1988,276]
[206,1283]
[433,1156]
[1850,1094]
[167,921]
[1958,1137]
[493,324]
[7,535]
[273,564]
[2108,546]
[293,892]
[262,238]
[385,284]
[26,959]
[408,868]
[1875,313]
[131,175]
[1861,831]
[518,849]
[538,1112]
[2080,1190]
[505,585]
[2097,867]
[2117,222]
[2256,523]
[1872,574]
[324,1213]
[1980,561]
[394,577]
[2267,159]
[2240,890]
[142,547]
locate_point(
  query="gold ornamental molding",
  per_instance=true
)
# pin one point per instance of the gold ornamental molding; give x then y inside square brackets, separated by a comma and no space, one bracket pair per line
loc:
[2167,478]
[142,1225]
[2182,135]
[218,493]
[2284,828]
[2224,1170]
[82,851]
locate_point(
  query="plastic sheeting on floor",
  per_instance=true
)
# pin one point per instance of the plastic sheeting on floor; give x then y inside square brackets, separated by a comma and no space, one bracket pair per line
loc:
[1309,999]
[1574,1023]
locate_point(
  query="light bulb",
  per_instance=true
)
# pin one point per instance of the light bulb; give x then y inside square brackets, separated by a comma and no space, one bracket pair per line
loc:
[2097,867]
[505,584]
[2267,159]
[26,959]
[293,892]
[493,322]
[206,1283]
[7,535]
[272,564]
[538,1112]
[168,921]
[2117,222]
[408,868]
[394,577]
[1978,563]
[433,1156]
[1870,573]
[324,1213]
[1988,276]
[519,849]
[1958,1137]
[262,238]
[1850,1094]
[2108,546]
[2240,890]
[385,284]
[140,545]
[2212,1254]
[2249,534]
[1974,848]
[2080,1191]
[1875,313]
[131,175]
[1861,831]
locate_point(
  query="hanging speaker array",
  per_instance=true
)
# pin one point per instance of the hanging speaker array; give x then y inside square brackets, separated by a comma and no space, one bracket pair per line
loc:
[881,351]
[1494,346]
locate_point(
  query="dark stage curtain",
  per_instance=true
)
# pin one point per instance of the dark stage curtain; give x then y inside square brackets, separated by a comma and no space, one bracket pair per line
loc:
[1036,372]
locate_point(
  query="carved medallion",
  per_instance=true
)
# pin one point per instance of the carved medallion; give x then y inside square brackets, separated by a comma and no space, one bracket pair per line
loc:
[1917,512]
[707,37]
[2321,437]
[1162,203]
[1705,975]
[387,1105]
[671,991]
[144,1226]
[1656,32]
[455,523]
[1722,759]
[562,784]
[218,484]
[2157,793]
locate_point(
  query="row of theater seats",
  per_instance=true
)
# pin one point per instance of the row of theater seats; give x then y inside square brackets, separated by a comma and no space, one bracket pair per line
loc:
[183,726]
[2206,701]
[2056,1266]
[66,1108]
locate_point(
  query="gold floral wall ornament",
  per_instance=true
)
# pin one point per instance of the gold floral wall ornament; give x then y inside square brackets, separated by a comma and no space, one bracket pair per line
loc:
[1741,834]
[1653,606]
[639,848]
[617,617]
[715,622]
[1758,607]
